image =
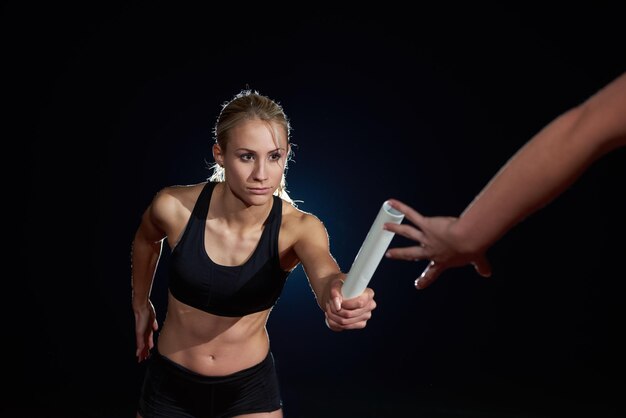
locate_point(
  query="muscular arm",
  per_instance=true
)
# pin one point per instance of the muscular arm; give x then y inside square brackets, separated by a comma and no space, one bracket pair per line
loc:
[146,251]
[536,174]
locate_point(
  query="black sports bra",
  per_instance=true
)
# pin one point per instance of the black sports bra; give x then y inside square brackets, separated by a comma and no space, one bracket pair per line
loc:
[226,290]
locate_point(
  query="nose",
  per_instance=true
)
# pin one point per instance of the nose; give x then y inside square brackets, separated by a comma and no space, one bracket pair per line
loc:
[260,170]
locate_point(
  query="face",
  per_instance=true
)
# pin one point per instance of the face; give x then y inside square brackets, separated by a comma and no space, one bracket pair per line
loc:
[254,160]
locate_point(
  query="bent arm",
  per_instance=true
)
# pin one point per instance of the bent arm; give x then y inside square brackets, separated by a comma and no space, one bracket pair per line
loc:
[146,251]
[148,244]
[545,166]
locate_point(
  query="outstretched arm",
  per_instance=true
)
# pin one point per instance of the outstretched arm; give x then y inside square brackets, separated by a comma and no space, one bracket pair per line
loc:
[536,174]
[326,279]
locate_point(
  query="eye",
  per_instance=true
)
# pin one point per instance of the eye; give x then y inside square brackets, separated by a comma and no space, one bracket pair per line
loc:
[275,156]
[246,157]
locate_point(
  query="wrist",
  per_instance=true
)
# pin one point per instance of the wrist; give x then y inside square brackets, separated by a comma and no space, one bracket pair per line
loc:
[140,304]
[466,239]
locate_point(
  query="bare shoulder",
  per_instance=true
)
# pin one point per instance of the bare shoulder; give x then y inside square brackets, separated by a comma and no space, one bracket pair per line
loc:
[181,193]
[175,201]
[298,223]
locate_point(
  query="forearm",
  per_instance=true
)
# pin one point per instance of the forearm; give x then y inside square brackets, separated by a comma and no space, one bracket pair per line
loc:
[536,174]
[542,169]
[145,258]
[548,164]
[321,288]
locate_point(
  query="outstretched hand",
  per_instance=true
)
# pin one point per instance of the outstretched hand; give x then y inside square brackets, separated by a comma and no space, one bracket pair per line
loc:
[437,242]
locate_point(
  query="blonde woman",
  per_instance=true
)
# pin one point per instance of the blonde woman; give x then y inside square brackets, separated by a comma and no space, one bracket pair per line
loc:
[234,239]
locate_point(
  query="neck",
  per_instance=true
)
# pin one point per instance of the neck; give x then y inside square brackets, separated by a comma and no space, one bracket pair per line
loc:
[234,210]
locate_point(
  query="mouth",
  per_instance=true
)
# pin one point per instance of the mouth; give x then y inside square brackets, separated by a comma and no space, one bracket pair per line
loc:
[260,190]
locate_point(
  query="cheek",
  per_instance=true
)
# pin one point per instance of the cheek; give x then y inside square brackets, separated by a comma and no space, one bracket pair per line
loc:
[237,168]
[278,166]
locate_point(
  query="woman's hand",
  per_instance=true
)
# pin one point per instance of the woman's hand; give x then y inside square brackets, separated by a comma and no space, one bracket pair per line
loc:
[343,314]
[145,326]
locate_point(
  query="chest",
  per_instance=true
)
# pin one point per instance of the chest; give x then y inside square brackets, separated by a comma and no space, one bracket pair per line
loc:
[228,247]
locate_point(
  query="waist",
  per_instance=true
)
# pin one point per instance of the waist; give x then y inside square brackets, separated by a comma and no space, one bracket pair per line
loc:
[193,326]
[190,374]
[212,345]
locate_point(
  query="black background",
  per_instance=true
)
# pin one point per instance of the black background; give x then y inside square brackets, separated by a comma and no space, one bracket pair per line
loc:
[106,104]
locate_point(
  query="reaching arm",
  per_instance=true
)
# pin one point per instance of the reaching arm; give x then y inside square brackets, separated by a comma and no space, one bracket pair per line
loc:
[326,279]
[546,165]
[542,169]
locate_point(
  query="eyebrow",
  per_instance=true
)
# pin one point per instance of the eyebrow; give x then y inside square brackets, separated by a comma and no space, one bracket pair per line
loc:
[254,152]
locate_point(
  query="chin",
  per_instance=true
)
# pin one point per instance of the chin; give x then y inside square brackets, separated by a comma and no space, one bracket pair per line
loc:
[254,199]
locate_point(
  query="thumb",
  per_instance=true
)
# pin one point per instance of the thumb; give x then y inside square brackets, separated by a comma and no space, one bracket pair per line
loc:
[482,266]
[336,296]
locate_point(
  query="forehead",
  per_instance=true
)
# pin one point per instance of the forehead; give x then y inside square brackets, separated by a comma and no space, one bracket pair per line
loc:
[257,134]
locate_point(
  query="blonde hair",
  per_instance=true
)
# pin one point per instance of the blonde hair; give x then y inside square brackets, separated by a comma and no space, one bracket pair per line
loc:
[246,105]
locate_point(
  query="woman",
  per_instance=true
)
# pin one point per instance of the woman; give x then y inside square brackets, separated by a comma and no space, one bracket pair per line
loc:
[234,240]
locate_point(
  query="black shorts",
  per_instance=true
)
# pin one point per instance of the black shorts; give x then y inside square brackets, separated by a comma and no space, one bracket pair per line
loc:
[172,391]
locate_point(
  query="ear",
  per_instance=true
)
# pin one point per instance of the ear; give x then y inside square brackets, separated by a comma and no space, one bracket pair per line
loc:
[218,155]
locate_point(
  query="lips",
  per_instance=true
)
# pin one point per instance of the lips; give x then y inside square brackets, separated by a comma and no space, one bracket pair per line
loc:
[259,190]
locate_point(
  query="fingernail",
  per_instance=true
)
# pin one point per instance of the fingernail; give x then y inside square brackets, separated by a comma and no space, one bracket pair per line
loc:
[338,304]
[417,284]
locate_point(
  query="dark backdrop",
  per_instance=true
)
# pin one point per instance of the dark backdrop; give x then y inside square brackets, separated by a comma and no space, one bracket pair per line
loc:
[109,103]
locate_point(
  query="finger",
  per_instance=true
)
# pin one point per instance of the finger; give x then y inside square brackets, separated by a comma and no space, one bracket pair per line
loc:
[349,319]
[407,253]
[429,275]
[346,317]
[332,326]
[356,325]
[411,214]
[331,307]
[361,302]
[335,302]
[346,324]
[332,323]
[327,322]
[482,266]
[405,230]
[140,353]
